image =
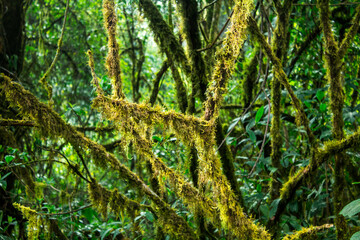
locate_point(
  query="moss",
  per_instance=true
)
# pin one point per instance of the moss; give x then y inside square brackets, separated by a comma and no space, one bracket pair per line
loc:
[279,46]
[171,223]
[334,62]
[189,15]
[43,79]
[248,84]
[99,197]
[280,74]
[227,163]
[113,57]
[95,80]
[36,222]
[309,233]
[226,57]
[39,189]
[181,93]
[163,34]
[52,124]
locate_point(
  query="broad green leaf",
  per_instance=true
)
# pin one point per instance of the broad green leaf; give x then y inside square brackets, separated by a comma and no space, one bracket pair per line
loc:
[149,216]
[9,158]
[233,124]
[156,138]
[274,207]
[320,95]
[307,104]
[259,114]
[323,107]
[351,209]
[251,135]
[355,236]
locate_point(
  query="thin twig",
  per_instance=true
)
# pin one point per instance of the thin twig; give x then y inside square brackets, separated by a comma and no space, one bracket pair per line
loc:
[83,162]
[208,5]
[64,213]
[47,73]
[73,167]
[219,34]
[264,140]
[31,162]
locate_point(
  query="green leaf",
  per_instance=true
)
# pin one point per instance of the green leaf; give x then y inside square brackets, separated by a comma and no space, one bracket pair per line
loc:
[307,104]
[323,107]
[9,158]
[351,209]
[274,207]
[149,216]
[103,235]
[156,138]
[320,95]
[5,176]
[233,123]
[251,135]
[355,236]
[259,114]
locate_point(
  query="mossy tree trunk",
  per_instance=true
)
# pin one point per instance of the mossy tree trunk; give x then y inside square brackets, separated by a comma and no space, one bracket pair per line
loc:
[334,54]
[12,39]
[279,46]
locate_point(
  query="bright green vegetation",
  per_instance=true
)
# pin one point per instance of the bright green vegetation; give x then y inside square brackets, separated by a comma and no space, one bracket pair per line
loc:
[187,119]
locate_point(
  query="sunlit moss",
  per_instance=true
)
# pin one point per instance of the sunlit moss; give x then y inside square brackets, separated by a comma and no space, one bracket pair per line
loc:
[113,57]
[35,222]
[309,233]
[52,124]
[226,57]
[104,199]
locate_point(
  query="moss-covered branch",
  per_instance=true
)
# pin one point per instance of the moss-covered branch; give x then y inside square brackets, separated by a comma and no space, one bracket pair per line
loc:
[307,233]
[334,62]
[279,46]
[189,16]
[113,57]
[329,149]
[156,82]
[43,79]
[350,34]
[121,110]
[302,119]
[133,119]
[163,34]
[226,57]
[53,125]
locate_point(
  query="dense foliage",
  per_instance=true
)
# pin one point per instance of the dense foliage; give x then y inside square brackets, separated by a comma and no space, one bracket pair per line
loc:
[185,119]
